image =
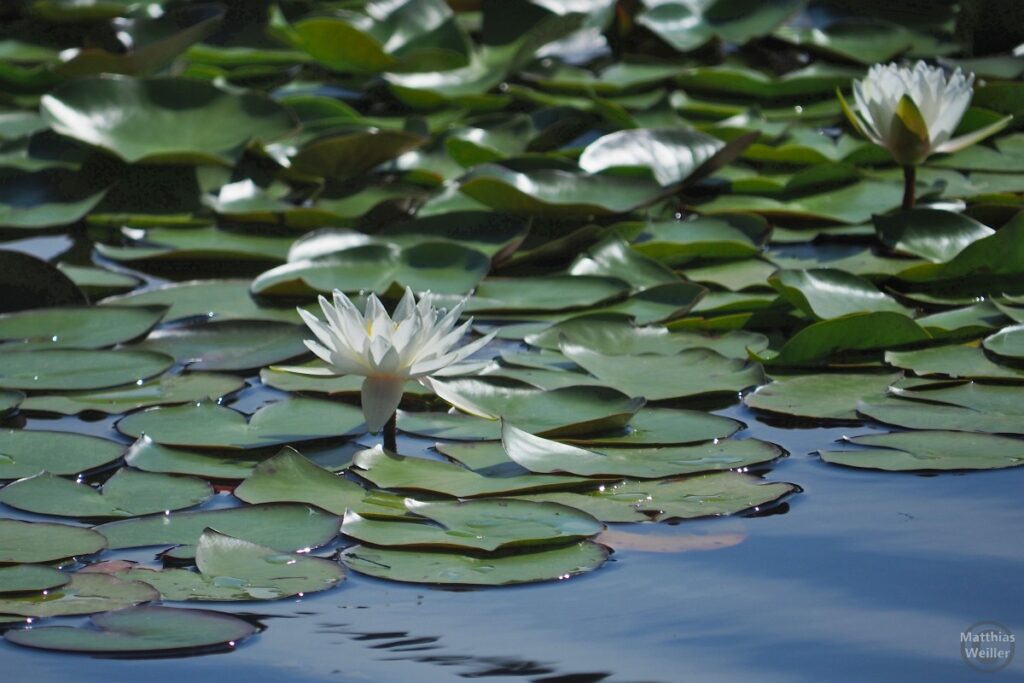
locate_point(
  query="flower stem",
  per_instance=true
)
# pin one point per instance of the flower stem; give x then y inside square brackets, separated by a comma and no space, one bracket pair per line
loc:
[909,185]
[390,434]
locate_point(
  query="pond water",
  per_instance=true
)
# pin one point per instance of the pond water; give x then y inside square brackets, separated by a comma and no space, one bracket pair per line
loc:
[859,575]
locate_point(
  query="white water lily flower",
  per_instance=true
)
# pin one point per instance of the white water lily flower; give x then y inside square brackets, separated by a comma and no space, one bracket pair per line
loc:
[913,113]
[388,351]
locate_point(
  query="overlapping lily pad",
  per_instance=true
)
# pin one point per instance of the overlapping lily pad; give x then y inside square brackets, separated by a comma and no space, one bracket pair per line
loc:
[84,594]
[929,450]
[163,390]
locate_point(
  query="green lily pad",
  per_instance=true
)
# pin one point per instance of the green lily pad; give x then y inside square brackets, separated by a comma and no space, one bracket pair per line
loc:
[9,401]
[560,412]
[29,282]
[920,414]
[613,257]
[668,155]
[449,426]
[24,453]
[283,527]
[1007,343]
[689,26]
[931,234]
[851,204]
[486,525]
[81,328]
[827,293]
[350,155]
[229,344]
[694,372]
[149,456]
[552,293]
[84,594]
[537,454]
[71,369]
[163,390]
[430,266]
[862,40]
[929,450]
[233,569]
[213,299]
[663,427]
[21,578]
[555,192]
[126,494]
[708,237]
[197,244]
[702,495]
[162,630]
[851,335]
[44,198]
[209,425]
[454,569]
[288,477]
[163,120]
[43,542]
[831,396]
[433,476]
[996,256]
[97,282]
[967,362]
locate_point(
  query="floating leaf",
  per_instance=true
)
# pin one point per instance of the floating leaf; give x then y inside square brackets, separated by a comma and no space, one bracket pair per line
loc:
[21,578]
[82,328]
[162,630]
[929,450]
[212,299]
[163,120]
[827,293]
[475,524]
[84,594]
[450,568]
[1007,343]
[849,335]
[920,414]
[163,390]
[24,453]
[9,402]
[29,282]
[710,237]
[418,474]
[931,234]
[537,454]
[229,344]
[42,542]
[44,198]
[209,425]
[288,477]
[71,369]
[234,569]
[553,293]
[128,493]
[282,527]
[703,495]
[831,396]
[952,361]
[693,372]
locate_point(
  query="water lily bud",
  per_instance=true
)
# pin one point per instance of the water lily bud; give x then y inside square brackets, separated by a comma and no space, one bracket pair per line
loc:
[913,112]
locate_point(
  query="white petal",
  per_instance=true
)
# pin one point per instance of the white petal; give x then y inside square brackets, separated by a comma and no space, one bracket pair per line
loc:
[380,398]
[322,332]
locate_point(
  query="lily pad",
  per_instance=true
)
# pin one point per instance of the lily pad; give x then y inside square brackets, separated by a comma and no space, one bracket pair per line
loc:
[931,234]
[694,372]
[921,414]
[454,569]
[1007,343]
[826,293]
[163,390]
[953,361]
[44,198]
[209,425]
[9,401]
[486,525]
[433,476]
[831,396]
[163,120]
[29,282]
[24,453]
[44,542]
[84,594]
[561,412]
[229,344]
[282,527]
[851,335]
[553,293]
[703,495]
[652,426]
[212,299]
[81,328]
[537,454]
[288,477]
[708,237]
[449,426]
[929,450]
[71,369]
[128,493]
[208,243]
[21,578]
[141,630]
[234,569]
